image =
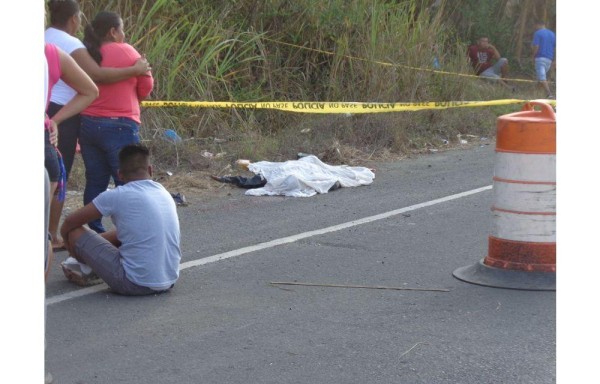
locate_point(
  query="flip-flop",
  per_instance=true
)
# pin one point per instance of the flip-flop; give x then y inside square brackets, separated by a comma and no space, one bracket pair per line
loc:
[58,247]
[78,278]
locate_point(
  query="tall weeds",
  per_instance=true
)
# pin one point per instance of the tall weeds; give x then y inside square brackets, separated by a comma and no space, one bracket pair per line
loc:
[276,50]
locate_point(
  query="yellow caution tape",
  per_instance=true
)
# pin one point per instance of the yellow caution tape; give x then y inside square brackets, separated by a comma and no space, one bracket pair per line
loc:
[337,107]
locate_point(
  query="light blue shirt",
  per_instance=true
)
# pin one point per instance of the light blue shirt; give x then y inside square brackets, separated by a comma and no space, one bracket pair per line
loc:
[147,224]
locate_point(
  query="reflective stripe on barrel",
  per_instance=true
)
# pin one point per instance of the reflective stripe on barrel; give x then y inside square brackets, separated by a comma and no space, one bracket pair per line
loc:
[524,211]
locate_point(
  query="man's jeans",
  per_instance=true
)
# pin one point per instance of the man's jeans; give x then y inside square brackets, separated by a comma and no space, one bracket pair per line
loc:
[101,139]
[542,66]
[495,71]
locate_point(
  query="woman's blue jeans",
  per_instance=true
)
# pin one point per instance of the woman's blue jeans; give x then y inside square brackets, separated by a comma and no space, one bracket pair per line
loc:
[100,140]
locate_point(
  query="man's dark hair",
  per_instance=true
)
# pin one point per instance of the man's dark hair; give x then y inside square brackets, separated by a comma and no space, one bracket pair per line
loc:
[134,159]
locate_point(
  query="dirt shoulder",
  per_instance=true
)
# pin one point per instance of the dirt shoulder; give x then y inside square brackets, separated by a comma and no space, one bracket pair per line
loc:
[197,185]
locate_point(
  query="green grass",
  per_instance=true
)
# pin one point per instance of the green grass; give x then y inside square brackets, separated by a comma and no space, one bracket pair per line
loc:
[239,51]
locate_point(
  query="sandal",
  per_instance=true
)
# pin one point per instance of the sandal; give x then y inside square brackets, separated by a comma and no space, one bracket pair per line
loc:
[74,274]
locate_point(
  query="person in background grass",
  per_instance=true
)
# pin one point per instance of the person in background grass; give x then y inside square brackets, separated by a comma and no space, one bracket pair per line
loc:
[112,121]
[543,48]
[141,256]
[65,21]
[487,62]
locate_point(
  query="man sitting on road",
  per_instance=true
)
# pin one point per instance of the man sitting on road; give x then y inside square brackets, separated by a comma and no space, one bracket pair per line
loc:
[141,256]
[486,61]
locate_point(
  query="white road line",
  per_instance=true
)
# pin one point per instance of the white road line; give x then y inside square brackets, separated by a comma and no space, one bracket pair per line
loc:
[74,294]
[281,241]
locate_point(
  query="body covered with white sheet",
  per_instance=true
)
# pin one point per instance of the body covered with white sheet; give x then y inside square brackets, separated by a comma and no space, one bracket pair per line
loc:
[306,177]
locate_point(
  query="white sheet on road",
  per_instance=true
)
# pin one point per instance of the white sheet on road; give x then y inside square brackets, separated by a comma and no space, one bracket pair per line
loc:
[306,177]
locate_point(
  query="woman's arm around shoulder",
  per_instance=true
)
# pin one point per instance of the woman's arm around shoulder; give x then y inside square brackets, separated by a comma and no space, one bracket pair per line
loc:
[76,78]
[105,74]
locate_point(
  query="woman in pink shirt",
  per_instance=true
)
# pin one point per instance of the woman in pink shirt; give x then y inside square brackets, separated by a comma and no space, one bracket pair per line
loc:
[60,66]
[112,121]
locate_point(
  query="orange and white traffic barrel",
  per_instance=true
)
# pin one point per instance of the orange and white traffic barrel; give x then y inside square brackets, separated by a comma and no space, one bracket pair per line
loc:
[522,245]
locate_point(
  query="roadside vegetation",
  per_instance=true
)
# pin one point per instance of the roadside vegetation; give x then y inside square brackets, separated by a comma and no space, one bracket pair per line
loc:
[309,50]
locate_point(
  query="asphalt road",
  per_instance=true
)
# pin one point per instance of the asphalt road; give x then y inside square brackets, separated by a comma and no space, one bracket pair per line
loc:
[225,323]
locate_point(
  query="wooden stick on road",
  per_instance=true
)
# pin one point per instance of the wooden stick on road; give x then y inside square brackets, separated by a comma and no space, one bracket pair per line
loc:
[358,286]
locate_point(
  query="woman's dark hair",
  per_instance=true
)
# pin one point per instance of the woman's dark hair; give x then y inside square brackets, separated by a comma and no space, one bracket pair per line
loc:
[97,31]
[61,11]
